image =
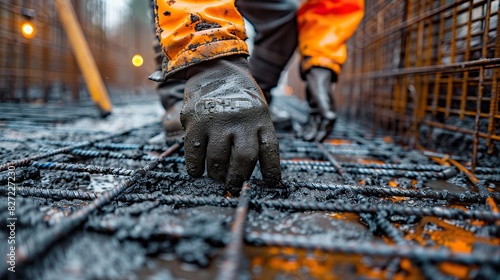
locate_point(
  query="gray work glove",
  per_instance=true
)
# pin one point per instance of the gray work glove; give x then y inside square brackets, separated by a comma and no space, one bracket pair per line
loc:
[322,117]
[228,124]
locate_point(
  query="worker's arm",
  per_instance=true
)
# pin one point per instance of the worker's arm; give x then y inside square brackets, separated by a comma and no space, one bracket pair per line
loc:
[324,27]
[192,31]
[225,115]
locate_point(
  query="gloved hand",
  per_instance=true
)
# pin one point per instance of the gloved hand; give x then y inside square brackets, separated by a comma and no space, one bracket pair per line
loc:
[227,123]
[322,116]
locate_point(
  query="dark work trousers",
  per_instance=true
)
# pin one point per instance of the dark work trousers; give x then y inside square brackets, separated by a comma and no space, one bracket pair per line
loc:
[276,39]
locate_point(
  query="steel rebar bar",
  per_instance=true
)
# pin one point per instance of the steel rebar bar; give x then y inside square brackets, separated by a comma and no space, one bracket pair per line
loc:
[389,191]
[27,160]
[181,200]
[41,242]
[342,206]
[413,167]
[233,253]
[96,169]
[417,253]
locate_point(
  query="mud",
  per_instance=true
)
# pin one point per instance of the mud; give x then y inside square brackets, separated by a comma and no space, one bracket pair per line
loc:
[206,25]
[315,225]
[194,18]
[105,257]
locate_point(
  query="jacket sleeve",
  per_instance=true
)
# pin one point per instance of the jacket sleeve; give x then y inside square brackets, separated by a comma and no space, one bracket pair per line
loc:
[324,27]
[191,31]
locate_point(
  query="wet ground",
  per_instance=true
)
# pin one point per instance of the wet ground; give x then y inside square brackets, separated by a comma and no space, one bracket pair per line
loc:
[95,201]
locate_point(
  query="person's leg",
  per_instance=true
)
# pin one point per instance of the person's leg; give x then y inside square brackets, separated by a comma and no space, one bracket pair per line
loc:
[276,26]
[171,93]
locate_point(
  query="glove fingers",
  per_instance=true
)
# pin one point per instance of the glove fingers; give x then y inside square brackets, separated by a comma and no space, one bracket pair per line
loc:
[218,153]
[269,155]
[195,148]
[244,154]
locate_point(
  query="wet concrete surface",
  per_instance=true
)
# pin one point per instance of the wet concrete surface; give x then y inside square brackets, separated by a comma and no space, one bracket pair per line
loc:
[184,239]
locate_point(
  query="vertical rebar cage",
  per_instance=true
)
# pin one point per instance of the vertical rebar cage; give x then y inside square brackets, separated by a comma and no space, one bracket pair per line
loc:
[428,71]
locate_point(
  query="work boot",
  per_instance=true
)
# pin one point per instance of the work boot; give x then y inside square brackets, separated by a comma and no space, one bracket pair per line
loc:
[171,94]
[171,121]
[282,120]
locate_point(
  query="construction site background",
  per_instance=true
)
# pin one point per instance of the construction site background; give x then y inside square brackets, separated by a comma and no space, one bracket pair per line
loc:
[43,68]
[425,70]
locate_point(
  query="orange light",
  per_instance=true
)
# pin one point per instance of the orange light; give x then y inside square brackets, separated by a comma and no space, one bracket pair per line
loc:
[28,30]
[137,60]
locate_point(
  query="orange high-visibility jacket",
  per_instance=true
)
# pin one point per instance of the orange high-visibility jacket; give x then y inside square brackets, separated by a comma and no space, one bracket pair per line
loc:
[192,31]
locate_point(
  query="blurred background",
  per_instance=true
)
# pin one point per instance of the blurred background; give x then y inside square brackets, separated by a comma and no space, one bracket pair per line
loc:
[36,60]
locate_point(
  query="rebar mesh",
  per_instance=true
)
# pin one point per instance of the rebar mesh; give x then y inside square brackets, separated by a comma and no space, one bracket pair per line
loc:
[427,69]
[384,212]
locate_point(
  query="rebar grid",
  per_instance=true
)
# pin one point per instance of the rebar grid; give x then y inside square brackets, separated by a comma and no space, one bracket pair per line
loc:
[426,69]
[466,196]
[372,212]
[39,243]
[66,149]
[417,253]
[332,206]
